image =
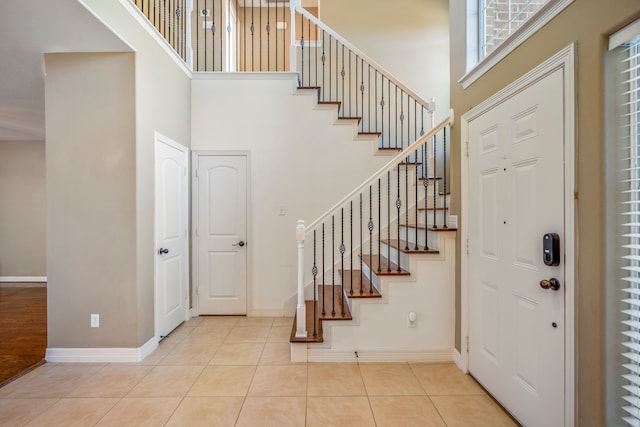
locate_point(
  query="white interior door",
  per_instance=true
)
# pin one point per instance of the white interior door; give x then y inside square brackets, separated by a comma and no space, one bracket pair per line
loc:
[516,195]
[221,234]
[172,190]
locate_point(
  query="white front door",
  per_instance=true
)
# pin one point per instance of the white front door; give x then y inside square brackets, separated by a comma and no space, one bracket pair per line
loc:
[172,199]
[516,196]
[221,232]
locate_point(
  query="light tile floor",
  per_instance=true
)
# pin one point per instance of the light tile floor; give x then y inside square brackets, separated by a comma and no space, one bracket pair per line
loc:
[235,371]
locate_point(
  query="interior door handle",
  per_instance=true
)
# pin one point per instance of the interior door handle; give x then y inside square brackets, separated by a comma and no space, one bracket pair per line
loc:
[163,251]
[240,243]
[552,284]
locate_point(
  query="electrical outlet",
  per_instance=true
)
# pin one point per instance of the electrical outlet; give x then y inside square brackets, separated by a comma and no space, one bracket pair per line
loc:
[282,210]
[95,320]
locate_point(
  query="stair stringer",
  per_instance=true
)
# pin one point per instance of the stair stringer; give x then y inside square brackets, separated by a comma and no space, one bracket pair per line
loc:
[379,331]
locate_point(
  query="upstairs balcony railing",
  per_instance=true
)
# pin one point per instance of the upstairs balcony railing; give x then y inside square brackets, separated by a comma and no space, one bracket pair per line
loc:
[271,36]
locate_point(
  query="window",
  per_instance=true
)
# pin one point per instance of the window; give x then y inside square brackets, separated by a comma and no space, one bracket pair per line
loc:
[500,18]
[624,98]
[497,27]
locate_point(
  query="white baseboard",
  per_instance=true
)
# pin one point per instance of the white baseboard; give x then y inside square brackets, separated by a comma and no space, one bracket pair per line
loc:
[23,279]
[101,355]
[378,355]
[457,359]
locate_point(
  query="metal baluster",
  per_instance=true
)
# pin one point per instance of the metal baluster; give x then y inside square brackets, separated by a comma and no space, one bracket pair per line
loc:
[342,73]
[333,265]
[350,83]
[375,99]
[324,58]
[337,73]
[370,227]
[382,114]
[361,243]
[323,270]
[330,67]
[342,250]
[284,40]
[253,29]
[415,155]
[435,178]
[213,36]
[398,206]
[356,90]
[314,271]
[396,112]
[406,198]
[389,221]
[362,92]
[302,47]
[425,183]
[276,47]
[444,176]
[379,226]
[368,99]
[351,243]
[197,35]
[309,42]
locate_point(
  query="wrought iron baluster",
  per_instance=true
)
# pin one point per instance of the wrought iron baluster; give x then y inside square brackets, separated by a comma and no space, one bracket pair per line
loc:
[351,243]
[213,36]
[362,92]
[396,112]
[444,176]
[323,270]
[337,73]
[370,227]
[435,179]
[333,265]
[276,45]
[361,243]
[368,100]
[425,183]
[356,90]
[342,250]
[309,43]
[350,89]
[330,67]
[268,36]
[389,221]
[375,99]
[342,74]
[197,34]
[314,271]
[398,206]
[382,113]
[302,48]
[324,58]
[379,225]
[407,162]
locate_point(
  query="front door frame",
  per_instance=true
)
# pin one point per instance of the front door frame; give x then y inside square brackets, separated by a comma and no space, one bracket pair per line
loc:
[565,61]
[195,156]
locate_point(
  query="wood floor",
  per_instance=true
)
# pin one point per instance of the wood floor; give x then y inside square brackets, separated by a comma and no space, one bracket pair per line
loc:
[23,329]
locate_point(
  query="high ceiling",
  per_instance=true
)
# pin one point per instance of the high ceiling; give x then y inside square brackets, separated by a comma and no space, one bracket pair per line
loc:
[28,30]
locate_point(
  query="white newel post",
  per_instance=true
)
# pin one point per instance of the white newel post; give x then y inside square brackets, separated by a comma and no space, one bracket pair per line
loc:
[301,313]
[293,55]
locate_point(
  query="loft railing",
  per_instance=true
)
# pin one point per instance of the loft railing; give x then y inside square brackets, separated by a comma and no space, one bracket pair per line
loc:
[272,36]
[170,18]
[399,203]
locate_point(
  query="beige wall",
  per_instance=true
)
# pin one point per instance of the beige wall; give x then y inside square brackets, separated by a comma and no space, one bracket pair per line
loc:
[22,209]
[586,22]
[409,38]
[91,210]
[163,104]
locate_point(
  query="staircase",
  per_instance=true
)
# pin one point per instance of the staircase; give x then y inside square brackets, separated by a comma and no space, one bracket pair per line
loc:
[378,268]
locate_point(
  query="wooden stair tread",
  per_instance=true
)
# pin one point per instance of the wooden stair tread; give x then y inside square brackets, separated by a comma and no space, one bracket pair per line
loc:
[349,118]
[385,266]
[403,244]
[424,227]
[309,87]
[310,319]
[441,208]
[329,103]
[431,178]
[360,289]
[370,133]
[339,302]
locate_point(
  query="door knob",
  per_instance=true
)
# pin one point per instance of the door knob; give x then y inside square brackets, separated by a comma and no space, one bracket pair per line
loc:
[552,284]
[162,251]
[240,243]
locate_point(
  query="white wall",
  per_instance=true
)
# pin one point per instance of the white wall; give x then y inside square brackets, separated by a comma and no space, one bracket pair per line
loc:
[409,38]
[299,159]
[22,209]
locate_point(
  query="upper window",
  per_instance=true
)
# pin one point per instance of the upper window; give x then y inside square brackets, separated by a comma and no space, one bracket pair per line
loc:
[500,18]
[497,27]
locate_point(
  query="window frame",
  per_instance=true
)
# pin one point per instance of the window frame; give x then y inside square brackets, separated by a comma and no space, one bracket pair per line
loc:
[476,66]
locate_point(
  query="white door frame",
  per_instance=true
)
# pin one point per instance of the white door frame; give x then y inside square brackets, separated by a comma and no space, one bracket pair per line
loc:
[563,60]
[159,138]
[195,155]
